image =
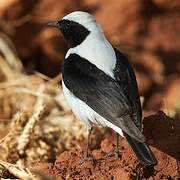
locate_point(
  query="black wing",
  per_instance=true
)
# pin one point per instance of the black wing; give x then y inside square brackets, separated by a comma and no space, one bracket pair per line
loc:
[102,93]
[124,72]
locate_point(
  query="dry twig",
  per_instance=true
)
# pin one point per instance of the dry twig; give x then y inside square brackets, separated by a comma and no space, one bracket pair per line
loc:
[10,56]
[18,172]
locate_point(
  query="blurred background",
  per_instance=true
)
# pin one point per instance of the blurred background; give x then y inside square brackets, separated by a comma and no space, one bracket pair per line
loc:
[148,32]
[35,121]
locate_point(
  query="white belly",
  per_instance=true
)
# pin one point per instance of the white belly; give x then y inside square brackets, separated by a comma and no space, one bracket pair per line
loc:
[86,113]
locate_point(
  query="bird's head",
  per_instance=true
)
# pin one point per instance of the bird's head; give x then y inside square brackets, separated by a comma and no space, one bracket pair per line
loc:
[76,26]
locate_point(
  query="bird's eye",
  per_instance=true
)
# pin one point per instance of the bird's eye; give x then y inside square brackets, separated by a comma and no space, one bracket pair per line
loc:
[68,24]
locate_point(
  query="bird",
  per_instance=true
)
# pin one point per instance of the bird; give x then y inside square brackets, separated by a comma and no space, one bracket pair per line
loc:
[99,83]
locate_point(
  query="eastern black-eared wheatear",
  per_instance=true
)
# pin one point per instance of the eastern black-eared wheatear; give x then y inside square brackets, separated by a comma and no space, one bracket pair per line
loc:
[99,84]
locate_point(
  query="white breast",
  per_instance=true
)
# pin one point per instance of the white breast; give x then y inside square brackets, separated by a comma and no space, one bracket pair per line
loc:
[86,113]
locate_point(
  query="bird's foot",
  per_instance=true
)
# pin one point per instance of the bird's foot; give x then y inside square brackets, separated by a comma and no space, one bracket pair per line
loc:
[87,158]
[116,152]
[138,177]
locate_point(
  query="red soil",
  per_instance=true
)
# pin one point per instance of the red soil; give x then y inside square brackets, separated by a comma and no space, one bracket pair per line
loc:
[163,135]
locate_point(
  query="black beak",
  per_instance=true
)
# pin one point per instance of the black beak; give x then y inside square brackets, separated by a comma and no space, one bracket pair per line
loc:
[54,24]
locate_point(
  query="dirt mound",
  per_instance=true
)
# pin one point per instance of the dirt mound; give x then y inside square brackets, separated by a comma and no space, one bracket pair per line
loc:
[163,135]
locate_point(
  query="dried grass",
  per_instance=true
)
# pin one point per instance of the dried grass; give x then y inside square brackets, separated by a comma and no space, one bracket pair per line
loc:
[18,172]
[28,129]
[56,131]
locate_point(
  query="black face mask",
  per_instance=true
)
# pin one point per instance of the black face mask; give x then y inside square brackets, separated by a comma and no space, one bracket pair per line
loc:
[73,32]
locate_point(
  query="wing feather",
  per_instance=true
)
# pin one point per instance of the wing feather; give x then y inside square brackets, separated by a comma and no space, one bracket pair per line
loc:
[124,73]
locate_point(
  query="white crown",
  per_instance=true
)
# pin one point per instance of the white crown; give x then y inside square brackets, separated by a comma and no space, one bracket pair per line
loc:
[80,17]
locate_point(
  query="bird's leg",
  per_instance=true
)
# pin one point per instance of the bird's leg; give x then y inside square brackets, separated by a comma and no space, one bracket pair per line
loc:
[87,155]
[116,151]
[88,141]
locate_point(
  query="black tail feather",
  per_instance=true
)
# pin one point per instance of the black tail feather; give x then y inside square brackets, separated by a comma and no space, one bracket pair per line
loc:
[142,151]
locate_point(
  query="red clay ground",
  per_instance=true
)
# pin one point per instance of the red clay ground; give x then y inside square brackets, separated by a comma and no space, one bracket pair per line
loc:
[163,135]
